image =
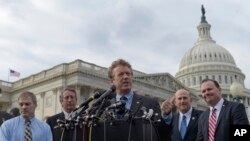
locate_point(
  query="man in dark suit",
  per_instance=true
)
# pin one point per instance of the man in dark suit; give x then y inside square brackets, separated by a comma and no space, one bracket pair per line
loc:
[120,74]
[184,123]
[4,116]
[214,123]
[68,100]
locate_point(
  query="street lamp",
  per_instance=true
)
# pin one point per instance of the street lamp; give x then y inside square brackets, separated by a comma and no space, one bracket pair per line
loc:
[237,91]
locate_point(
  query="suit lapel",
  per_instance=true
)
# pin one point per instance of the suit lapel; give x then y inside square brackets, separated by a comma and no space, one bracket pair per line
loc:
[223,109]
[192,120]
[206,121]
[62,116]
[177,123]
[136,103]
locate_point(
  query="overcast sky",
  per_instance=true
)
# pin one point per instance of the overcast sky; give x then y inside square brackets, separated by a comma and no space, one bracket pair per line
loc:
[153,35]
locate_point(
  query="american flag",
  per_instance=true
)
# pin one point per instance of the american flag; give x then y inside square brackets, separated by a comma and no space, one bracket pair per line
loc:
[14,73]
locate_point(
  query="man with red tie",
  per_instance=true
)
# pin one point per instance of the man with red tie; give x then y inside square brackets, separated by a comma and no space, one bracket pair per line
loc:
[214,123]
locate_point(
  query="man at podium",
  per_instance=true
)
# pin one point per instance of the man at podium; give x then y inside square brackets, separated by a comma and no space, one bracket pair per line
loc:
[139,107]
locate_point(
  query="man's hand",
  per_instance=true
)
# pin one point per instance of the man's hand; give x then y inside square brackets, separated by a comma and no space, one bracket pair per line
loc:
[167,106]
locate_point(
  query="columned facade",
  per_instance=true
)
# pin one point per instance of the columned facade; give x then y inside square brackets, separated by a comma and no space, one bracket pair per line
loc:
[85,78]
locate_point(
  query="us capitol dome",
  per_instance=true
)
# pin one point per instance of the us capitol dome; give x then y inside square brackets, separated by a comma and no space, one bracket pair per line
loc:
[206,59]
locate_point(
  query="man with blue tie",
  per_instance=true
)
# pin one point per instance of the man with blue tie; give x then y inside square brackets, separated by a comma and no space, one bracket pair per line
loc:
[184,123]
[120,74]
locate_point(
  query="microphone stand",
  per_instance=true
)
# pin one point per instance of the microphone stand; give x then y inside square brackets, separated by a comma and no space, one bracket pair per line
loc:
[98,111]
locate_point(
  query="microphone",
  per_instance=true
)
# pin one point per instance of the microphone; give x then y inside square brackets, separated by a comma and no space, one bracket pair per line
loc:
[86,102]
[150,113]
[118,104]
[147,115]
[143,109]
[60,123]
[105,94]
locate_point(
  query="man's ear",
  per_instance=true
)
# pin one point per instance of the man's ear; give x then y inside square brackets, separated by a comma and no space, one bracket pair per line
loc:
[220,89]
[111,81]
[61,102]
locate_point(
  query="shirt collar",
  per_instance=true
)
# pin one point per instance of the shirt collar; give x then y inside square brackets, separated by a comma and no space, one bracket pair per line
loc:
[23,119]
[128,96]
[188,113]
[66,115]
[218,105]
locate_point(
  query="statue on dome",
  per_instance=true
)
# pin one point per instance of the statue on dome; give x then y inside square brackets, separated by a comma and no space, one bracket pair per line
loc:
[203,10]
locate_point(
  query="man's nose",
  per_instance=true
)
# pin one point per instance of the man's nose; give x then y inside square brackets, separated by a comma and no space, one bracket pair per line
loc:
[70,99]
[23,106]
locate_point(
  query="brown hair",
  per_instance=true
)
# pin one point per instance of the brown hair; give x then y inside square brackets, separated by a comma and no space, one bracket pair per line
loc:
[67,89]
[28,94]
[119,62]
[214,81]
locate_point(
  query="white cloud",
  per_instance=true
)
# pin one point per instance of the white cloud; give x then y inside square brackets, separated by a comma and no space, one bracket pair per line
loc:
[153,35]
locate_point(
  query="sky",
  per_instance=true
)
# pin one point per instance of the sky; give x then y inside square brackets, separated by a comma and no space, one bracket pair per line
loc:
[153,35]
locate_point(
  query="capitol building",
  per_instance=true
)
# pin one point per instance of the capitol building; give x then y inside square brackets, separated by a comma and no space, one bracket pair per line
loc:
[205,59]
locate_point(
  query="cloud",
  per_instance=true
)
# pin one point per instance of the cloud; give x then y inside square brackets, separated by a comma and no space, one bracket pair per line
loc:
[153,35]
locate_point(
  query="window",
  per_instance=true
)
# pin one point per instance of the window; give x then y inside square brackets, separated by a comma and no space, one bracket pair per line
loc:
[200,79]
[194,81]
[188,81]
[225,79]
[48,101]
[219,79]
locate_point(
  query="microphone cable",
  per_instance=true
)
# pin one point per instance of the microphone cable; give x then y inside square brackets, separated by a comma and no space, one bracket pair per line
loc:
[62,134]
[104,130]
[84,133]
[90,132]
[130,129]
[131,114]
[74,134]
[151,129]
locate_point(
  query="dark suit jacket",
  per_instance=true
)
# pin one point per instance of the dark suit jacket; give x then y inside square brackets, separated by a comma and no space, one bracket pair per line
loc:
[231,113]
[4,116]
[139,101]
[192,128]
[57,132]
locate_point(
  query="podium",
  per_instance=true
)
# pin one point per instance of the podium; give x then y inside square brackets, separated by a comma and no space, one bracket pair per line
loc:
[116,130]
[76,134]
[134,130]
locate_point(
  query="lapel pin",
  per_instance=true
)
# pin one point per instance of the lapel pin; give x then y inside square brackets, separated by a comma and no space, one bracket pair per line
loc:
[137,102]
[193,118]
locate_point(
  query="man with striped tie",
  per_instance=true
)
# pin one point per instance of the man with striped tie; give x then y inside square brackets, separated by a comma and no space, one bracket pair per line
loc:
[25,127]
[214,123]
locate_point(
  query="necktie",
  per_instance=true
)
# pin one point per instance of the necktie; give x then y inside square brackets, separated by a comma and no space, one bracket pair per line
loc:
[124,98]
[183,126]
[28,135]
[121,112]
[212,123]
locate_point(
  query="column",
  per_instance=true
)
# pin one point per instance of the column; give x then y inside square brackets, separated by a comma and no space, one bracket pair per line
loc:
[42,103]
[78,94]
[55,98]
